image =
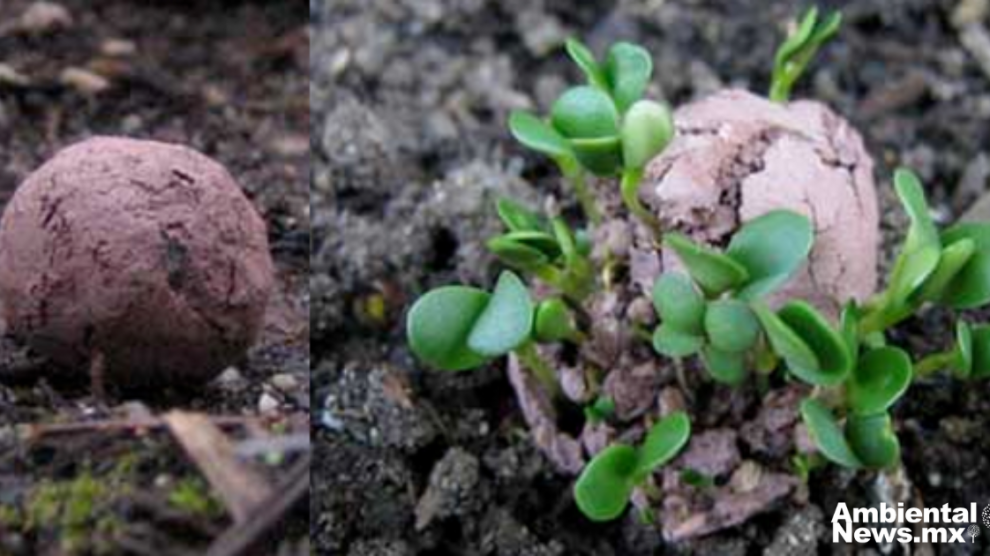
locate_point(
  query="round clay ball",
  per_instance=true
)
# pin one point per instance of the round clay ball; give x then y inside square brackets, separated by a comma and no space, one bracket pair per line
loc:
[145,253]
[736,156]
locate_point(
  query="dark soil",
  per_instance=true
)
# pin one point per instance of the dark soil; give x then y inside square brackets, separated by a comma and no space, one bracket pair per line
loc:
[229,79]
[410,101]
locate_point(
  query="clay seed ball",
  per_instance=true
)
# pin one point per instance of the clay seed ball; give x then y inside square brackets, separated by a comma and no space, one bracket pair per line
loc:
[736,156]
[145,252]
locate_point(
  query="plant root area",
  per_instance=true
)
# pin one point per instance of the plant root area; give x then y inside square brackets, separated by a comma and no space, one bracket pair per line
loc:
[215,469]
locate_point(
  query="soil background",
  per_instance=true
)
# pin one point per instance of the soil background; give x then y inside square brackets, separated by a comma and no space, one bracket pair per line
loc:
[410,99]
[228,78]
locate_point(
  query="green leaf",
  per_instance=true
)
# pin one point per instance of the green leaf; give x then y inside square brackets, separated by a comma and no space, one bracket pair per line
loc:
[585,60]
[981,352]
[724,366]
[518,218]
[798,39]
[678,303]
[541,241]
[964,350]
[796,52]
[515,254]
[954,257]
[829,347]
[785,341]
[564,240]
[713,271]
[439,323]
[696,478]
[771,248]
[880,378]
[731,325]
[553,322]
[602,490]
[538,135]
[827,435]
[582,241]
[849,326]
[507,321]
[922,247]
[628,68]
[970,287]
[665,439]
[873,440]
[673,342]
[600,410]
[647,128]
[601,156]
[585,113]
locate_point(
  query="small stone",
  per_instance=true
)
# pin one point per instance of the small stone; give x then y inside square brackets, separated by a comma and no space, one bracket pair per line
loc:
[84,81]
[290,146]
[969,11]
[118,48]
[10,76]
[44,17]
[267,403]
[976,41]
[799,534]
[451,488]
[284,382]
[231,379]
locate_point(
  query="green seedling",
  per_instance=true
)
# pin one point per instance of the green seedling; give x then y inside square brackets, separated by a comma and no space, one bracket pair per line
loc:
[601,410]
[717,319]
[547,249]
[718,313]
[602,491]
[794,55]
[951,268]
[603,128]
[717,309]
[455,328]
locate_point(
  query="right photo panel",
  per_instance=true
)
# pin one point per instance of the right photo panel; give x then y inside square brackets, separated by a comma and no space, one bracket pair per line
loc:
[650,277]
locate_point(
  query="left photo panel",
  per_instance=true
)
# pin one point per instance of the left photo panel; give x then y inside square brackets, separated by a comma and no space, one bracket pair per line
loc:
[154,260]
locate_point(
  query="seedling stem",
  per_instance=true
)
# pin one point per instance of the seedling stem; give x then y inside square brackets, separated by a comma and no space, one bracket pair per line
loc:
[575,175]
[631,179]
[934,362]
[531,359]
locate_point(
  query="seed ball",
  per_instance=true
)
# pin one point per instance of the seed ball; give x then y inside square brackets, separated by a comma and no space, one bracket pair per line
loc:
[145,253]
[736,156]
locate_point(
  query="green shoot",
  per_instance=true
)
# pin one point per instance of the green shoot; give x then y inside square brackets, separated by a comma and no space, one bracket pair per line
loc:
[603,128]
[794,55]
[602,491]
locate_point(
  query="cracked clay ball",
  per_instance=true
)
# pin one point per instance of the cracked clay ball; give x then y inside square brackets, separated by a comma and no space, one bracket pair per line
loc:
[736,156]
[145,253]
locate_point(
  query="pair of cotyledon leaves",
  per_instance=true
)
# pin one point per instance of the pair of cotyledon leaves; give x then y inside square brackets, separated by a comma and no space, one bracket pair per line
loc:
[760,257]
[603,126]
[881,376]
[602,491]
[456,328]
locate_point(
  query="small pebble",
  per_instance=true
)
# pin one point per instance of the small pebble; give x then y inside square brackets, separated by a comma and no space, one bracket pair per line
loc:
[10,76]
[284,382]
[231,379]
[84,81]
[118,48]
[44,17]
[267,403]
